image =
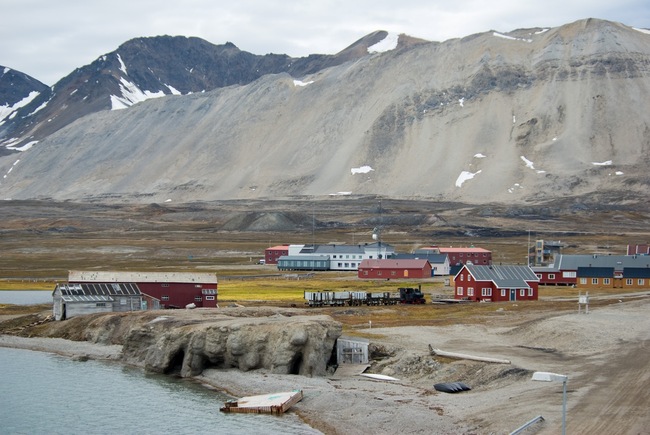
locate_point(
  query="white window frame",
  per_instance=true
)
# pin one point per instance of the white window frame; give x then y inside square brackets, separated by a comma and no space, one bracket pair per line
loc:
[530,292]
[522,292]
[470,291]
[459,291]
[504,292]
[486,291]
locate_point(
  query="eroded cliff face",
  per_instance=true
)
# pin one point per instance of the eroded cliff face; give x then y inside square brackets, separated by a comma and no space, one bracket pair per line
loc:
[187,342]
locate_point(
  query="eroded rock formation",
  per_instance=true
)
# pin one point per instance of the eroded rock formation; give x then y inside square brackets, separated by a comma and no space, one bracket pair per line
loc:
[188,341]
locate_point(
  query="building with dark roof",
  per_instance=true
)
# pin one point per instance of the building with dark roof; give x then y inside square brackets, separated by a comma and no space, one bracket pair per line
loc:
[496,283]
[565,269]
[70,300]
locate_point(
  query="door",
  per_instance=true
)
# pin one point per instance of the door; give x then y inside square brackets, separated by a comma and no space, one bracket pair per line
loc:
[513,294]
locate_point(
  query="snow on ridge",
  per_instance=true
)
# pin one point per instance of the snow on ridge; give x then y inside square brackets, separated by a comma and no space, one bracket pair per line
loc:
[361,170]
[464,176]
[25,147]
[299,83]
[479,156]
[646,31]
[386,44]
[122,65]
[131,95]
[6,111]
[607,163]
[341,194]
[512,38]
[173,90]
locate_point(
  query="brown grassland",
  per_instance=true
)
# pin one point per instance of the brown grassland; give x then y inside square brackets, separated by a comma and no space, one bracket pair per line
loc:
[41,241]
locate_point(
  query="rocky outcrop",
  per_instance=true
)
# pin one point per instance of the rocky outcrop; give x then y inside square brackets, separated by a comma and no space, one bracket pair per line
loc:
[186,342]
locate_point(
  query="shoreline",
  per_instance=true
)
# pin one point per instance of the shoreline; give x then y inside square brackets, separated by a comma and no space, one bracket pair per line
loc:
[603,354]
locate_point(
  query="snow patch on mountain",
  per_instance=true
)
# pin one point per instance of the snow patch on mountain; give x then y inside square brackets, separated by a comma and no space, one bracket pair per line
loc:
[131,95]
[7,111]
[607,163]
[512,38]
[299,83]
[361,170]
[386,44]
[464,176]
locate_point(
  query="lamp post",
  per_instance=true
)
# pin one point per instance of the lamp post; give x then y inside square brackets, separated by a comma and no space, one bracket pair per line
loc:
[553,377]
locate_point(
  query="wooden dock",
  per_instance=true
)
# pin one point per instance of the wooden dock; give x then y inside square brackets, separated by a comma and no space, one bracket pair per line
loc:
[276,403]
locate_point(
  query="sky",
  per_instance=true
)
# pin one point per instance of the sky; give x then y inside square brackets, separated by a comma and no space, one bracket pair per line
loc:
[48,39]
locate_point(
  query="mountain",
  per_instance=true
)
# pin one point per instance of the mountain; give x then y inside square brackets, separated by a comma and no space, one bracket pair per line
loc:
[518,117]
[17,90]
[145,68]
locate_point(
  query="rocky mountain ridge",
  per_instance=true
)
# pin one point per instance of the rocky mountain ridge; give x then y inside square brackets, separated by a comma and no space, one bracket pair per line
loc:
[522,117]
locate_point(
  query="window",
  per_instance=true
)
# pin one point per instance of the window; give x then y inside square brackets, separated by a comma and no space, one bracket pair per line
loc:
[606,281]
[551,276]
[522,292]
[164,298]
[594,280]
[503,293]
[470,291]
[122,301]
[198,285]
[569,274]
[539,275]
[583,280]
[628,281]
[100,304]
[393,273]
[209,298]
[198,298]
[486,291]
[641,281]
[530,292]
[365,273]
[462,277]
[459,291]
[164,285]
[379,273]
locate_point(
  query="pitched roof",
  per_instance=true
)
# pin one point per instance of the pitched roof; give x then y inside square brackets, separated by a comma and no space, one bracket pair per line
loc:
[432,257]
[390,263]
[573,262]
[595,272]
[168,277]
[459,250]
[503,276]
[96,292]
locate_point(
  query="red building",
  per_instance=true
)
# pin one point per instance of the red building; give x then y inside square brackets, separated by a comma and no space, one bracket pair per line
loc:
[471,255]
[171,289]
[496,283]
[394,269]
[643,249]
[271,255]
[460,256]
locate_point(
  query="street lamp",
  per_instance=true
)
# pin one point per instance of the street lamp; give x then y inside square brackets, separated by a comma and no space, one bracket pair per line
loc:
[553,377]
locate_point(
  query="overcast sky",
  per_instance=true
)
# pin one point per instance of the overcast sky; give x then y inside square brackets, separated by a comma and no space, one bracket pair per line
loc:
[48,39]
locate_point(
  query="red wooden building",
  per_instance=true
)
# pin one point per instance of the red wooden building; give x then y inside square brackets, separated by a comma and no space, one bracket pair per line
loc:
[272,254]
[394,269]
[467,255]
[496,283]
[171,289]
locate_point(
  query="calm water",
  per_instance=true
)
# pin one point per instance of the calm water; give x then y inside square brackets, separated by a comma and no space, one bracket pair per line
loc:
[41,393]
[25,297]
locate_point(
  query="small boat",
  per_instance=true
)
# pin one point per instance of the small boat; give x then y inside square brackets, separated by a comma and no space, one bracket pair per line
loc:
[276,403]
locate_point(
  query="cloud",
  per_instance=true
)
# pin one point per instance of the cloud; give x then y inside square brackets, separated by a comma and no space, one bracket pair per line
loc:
[48,40]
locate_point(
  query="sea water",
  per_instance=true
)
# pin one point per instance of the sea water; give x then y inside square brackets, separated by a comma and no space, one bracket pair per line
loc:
[43,393]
